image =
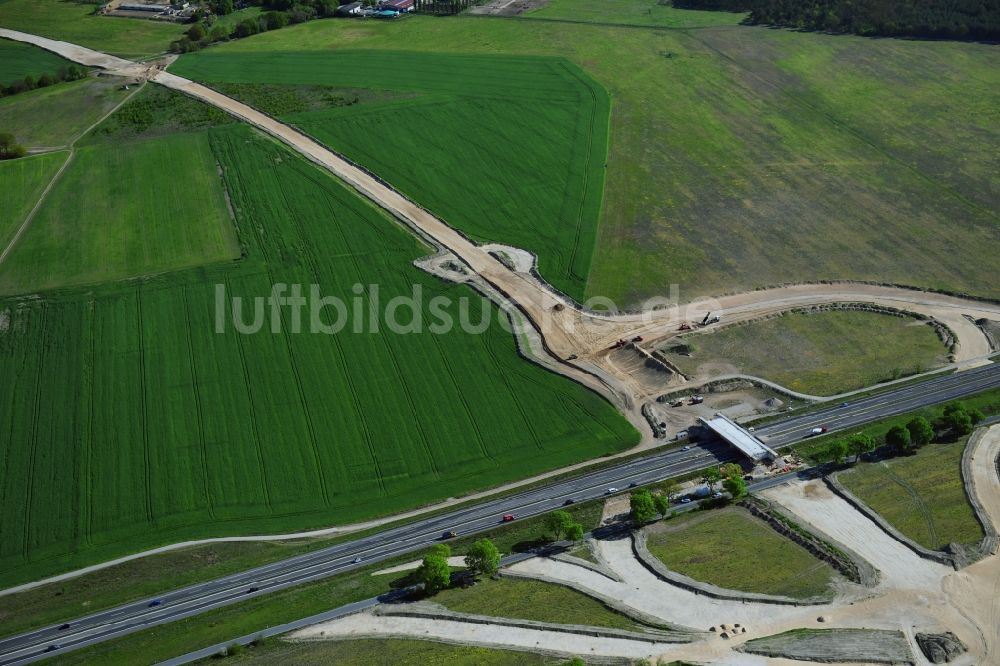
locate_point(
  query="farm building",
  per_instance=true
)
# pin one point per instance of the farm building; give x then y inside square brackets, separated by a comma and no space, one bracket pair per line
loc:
[397,5]
[143,7]
[350,9]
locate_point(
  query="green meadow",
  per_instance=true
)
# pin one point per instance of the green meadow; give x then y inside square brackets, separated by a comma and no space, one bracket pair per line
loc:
[743,156]
[130,422]
[18,60]
[506,149]
[24,180]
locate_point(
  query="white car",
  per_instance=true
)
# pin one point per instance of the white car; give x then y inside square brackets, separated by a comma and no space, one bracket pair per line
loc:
[611,491]
[685,448]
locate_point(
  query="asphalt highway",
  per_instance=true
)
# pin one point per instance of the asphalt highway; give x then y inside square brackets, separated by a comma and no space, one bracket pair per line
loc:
[418,535]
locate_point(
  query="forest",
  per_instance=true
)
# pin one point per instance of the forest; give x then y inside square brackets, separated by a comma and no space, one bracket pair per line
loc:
[936,19]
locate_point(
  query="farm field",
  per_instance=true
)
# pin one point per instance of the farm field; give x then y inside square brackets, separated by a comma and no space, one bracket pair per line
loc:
[185,433]
[819,353]
[652,13]
[533,600]
[514,148]
[732,549]
[18,60]
[77,22]
[106,218]
[23,179]
[921,495]
[743,156]
[39,120]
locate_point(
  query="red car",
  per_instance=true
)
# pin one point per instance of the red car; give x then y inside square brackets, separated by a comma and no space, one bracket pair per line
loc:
[507,517]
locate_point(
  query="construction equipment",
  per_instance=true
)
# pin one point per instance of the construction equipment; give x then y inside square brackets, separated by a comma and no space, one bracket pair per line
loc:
[684,327]
[697,399]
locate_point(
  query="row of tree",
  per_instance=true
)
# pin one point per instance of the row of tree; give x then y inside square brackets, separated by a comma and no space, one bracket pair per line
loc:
[955,421]
[645,505]
[10,149]
[948,19]
[434,572]
[69,73]
[207,29]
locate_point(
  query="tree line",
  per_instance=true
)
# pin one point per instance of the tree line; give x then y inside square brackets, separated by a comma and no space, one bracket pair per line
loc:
[936,19]
[69,73]
[206,28]
[955,421]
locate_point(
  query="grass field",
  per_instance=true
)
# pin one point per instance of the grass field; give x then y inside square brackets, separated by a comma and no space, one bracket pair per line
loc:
[734,550]
[23,179]
[39,119]
[19,60]
[819,353]
[742,156]
[533,600]
[652,13]
[505,149]
[183,433]
[921,495]
[77,22]
[379,652]
[105,219]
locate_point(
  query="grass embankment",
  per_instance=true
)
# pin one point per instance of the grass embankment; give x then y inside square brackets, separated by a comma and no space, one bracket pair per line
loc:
[793,163]
[55,116]
[490,126]
[280,432]
[920,495]
[647,13]
[18,60]
[732,549]
[819,353]
[78,22]
[533,600]
[376,652]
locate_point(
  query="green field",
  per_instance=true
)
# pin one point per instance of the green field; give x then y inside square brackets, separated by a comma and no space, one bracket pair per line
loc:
[124,210]
[505,149]
[23,179]
[652,13]
[732,549]
[533,600]
[18,60]
[78,23]
[742,156]
[39,118]
[818,353]
[921,495]
[131,423]
[379,652]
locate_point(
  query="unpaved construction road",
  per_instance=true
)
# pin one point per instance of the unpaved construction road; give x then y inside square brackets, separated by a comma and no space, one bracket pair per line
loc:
[578,340]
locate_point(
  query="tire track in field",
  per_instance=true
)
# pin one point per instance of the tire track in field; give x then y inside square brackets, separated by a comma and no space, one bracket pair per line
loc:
[352,256]
[918,503]
[29,490]
[586,177]
[314,445]
[252,413]
[197,402]
[88,499]
[528,424]
[461,396]
[145,408]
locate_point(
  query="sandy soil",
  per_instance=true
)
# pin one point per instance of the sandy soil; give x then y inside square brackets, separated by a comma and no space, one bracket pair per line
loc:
[456,561]
[489,635]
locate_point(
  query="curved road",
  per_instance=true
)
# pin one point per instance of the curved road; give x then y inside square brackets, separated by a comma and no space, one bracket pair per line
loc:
[420,534]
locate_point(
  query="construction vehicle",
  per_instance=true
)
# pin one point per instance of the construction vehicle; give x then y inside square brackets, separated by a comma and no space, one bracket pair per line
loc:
[697,399]
[677,403]
[618,345]
[684,327]
[637,338]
